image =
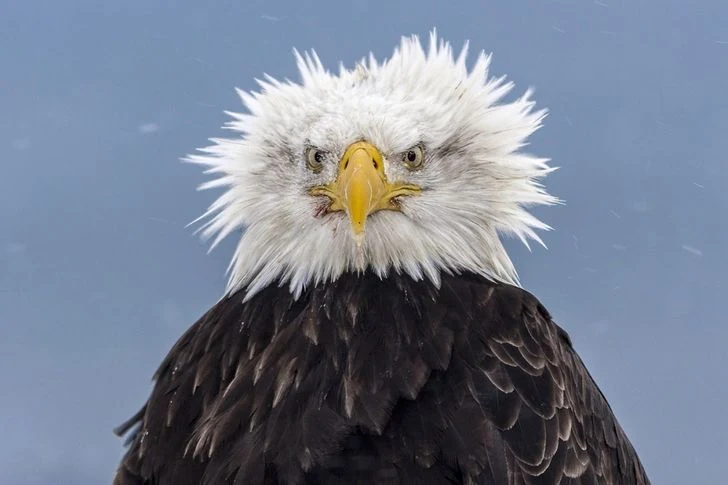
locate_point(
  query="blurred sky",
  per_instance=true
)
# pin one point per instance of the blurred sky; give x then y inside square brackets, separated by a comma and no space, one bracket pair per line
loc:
[99,276]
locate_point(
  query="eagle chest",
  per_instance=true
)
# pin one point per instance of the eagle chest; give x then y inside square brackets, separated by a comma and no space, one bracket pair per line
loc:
[354,371]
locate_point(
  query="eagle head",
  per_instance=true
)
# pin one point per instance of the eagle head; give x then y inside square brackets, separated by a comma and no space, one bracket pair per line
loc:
[409,165]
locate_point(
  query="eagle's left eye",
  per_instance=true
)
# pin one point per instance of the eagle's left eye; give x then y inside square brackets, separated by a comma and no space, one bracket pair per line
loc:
[414,157]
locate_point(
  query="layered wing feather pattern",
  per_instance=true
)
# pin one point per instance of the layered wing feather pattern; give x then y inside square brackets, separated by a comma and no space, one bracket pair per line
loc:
[384,381]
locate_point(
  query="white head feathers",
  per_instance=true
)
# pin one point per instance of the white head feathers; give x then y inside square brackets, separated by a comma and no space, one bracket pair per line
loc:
[475,184]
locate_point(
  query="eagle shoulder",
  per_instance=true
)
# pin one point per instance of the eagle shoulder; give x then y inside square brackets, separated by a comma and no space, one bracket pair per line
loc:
[525,379]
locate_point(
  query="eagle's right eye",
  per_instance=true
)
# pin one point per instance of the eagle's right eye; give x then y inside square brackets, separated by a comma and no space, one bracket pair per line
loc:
[315,159]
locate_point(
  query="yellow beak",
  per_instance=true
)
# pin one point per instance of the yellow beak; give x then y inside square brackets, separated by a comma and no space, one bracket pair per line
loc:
[361,187]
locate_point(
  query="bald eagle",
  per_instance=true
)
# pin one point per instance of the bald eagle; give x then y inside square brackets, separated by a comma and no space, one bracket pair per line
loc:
[373,330]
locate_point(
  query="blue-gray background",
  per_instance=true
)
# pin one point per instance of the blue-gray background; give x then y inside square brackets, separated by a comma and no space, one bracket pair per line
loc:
[99,276]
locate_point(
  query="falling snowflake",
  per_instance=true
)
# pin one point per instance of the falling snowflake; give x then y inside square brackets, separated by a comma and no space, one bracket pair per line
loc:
[147,128]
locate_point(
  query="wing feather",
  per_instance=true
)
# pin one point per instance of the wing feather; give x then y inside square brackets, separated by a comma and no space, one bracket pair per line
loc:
[560,428]
[370,380]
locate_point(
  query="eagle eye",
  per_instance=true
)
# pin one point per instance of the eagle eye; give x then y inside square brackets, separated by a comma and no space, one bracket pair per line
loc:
[414,157]
[315,159]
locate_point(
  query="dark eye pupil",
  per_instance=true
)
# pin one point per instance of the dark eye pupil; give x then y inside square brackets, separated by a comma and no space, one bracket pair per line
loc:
[411,156]
[319,157]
